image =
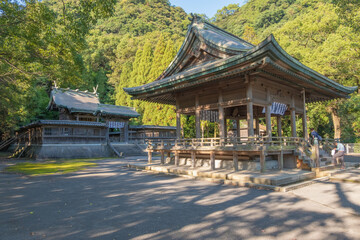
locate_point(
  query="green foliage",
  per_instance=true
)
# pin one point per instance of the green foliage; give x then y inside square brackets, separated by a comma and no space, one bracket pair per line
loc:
[84,43]
[323,35]
[37,46]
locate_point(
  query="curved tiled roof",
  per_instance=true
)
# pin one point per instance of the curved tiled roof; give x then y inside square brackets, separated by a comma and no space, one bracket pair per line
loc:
[76,101]
[214,37]
[267,52]
[65,122]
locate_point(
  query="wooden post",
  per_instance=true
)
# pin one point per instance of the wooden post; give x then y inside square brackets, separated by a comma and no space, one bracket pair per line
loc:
[221,116]
[168,157]
[178,119]
[162,157]
[197,117]
[193,159]
[126,131]
[236,161]
[268,121]
[278,122]
[250,111]
[238,130]
[281,160]
[262,161]
[268,114]
[293,117]
[107,134]
[177,158]
[225,127]
[149,156]
[305,130]
[212,160]
[257,122]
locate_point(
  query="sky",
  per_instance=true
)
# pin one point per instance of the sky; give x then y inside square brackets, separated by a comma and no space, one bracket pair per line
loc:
[208,7]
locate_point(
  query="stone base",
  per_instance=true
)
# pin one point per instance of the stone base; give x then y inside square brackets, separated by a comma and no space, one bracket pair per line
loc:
[58,151]
[226,164]
[68,151]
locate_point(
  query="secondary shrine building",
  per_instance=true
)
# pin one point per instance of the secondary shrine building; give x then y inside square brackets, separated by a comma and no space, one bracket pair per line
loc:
[216,75]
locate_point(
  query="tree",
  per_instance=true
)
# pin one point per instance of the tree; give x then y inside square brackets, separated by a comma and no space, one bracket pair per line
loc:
[39,45]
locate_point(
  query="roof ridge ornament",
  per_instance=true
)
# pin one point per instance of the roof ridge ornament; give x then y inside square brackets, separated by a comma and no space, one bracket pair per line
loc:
[196,18]
[95,89]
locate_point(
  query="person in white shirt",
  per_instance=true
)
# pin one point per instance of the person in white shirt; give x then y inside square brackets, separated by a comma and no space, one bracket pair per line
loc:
[340,152]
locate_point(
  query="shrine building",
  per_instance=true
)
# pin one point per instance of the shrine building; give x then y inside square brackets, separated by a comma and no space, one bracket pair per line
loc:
[218,76]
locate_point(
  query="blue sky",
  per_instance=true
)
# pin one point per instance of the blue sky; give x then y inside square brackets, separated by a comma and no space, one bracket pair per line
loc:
[209,7]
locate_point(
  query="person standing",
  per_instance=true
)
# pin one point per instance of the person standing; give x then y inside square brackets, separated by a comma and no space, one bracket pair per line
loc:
[340,152]
[314,135]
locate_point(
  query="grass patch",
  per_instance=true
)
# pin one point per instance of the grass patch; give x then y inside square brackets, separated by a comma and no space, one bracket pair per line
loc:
[51,167]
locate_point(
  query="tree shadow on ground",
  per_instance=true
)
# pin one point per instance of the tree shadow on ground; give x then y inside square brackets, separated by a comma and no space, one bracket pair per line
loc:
[111,202]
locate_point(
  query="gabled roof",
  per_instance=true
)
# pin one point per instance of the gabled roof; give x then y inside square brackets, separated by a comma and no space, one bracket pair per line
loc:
[76,101]
[267,57]
[204,37]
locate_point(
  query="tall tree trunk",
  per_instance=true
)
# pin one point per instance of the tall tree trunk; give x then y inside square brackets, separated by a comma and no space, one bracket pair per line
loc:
[336,121]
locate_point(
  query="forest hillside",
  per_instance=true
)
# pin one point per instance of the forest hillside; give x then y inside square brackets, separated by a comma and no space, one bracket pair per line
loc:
[124,43]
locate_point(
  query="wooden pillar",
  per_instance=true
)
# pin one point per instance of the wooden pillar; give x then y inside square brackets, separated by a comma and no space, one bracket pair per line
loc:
[281,160]
[236,161]
[168,157]
[278,123]
[126,131]
[257,122]
[293,117]
[262,161]
[178,119]
[177,158]
[221,116]
[197,118]
[268,114]
[212,160]
[107,134]
[225,128]
[250,113]
[238,130]
[193,159]
[162,157]
[149,156]
[305,130]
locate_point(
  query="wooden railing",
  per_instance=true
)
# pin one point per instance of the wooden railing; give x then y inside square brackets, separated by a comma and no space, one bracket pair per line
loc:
[270,143]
